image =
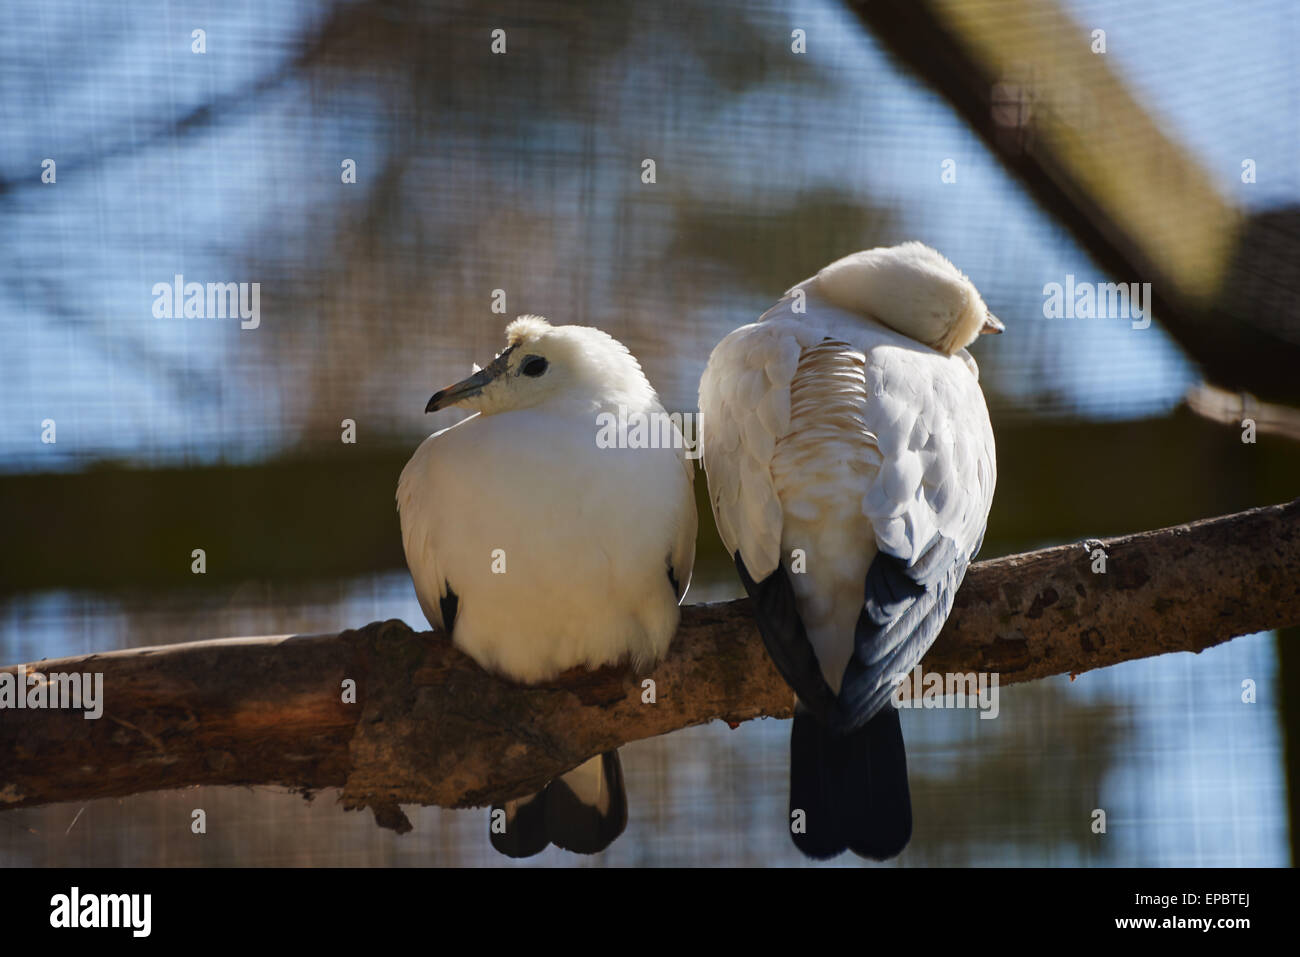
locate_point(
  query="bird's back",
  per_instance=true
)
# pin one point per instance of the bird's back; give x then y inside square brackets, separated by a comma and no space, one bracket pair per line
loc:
[881,431]
[821,469]
[850,467]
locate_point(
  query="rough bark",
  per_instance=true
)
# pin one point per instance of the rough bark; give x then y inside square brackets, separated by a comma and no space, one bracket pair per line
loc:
[431,727]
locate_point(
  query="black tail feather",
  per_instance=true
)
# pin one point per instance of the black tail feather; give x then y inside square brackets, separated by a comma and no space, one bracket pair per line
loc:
[524,823]
[852,788]
[586,809]
[582,811]
[776,610]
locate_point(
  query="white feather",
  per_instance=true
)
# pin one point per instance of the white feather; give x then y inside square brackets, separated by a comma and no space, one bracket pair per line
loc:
[863,438]
[585,534]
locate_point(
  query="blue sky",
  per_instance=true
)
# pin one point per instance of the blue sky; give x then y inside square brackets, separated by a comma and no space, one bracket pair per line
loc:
[82,82]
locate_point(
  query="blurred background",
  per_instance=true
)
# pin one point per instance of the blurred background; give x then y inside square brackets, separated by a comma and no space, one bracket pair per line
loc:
[997,132]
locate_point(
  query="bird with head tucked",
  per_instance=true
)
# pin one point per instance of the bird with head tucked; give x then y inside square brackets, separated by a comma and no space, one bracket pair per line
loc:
[851,468]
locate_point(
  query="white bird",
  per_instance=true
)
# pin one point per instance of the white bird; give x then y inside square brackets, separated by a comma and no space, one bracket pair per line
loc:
[851,469]
[538,549]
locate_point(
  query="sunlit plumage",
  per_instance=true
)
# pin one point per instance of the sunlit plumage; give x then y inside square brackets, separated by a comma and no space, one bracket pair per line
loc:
[851,469]
[539,550]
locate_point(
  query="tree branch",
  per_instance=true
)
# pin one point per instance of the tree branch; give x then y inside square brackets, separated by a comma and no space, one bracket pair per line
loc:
[431,727]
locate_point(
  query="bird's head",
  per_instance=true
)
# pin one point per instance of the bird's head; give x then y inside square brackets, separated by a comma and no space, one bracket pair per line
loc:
[914,290]
[542,362]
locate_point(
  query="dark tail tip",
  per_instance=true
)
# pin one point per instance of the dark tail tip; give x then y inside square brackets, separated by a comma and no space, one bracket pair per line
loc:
[518,828]
[586,809]
[851,789]
[582,811]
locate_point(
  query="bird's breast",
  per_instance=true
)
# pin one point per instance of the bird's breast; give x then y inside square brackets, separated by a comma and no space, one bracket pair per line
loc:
[555,546]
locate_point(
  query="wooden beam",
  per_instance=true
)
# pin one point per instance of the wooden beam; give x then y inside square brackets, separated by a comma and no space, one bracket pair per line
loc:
[1023,75]
[1237,408]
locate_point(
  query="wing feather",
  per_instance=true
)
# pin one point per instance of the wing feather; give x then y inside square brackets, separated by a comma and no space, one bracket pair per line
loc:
[417,537]
[929,507]
[682,560]
[745,408]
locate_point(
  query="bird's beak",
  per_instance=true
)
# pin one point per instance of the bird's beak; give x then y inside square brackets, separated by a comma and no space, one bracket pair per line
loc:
[992,325]
[472,386]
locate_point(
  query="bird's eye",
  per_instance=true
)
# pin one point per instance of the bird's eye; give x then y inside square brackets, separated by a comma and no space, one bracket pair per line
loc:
[533,366]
